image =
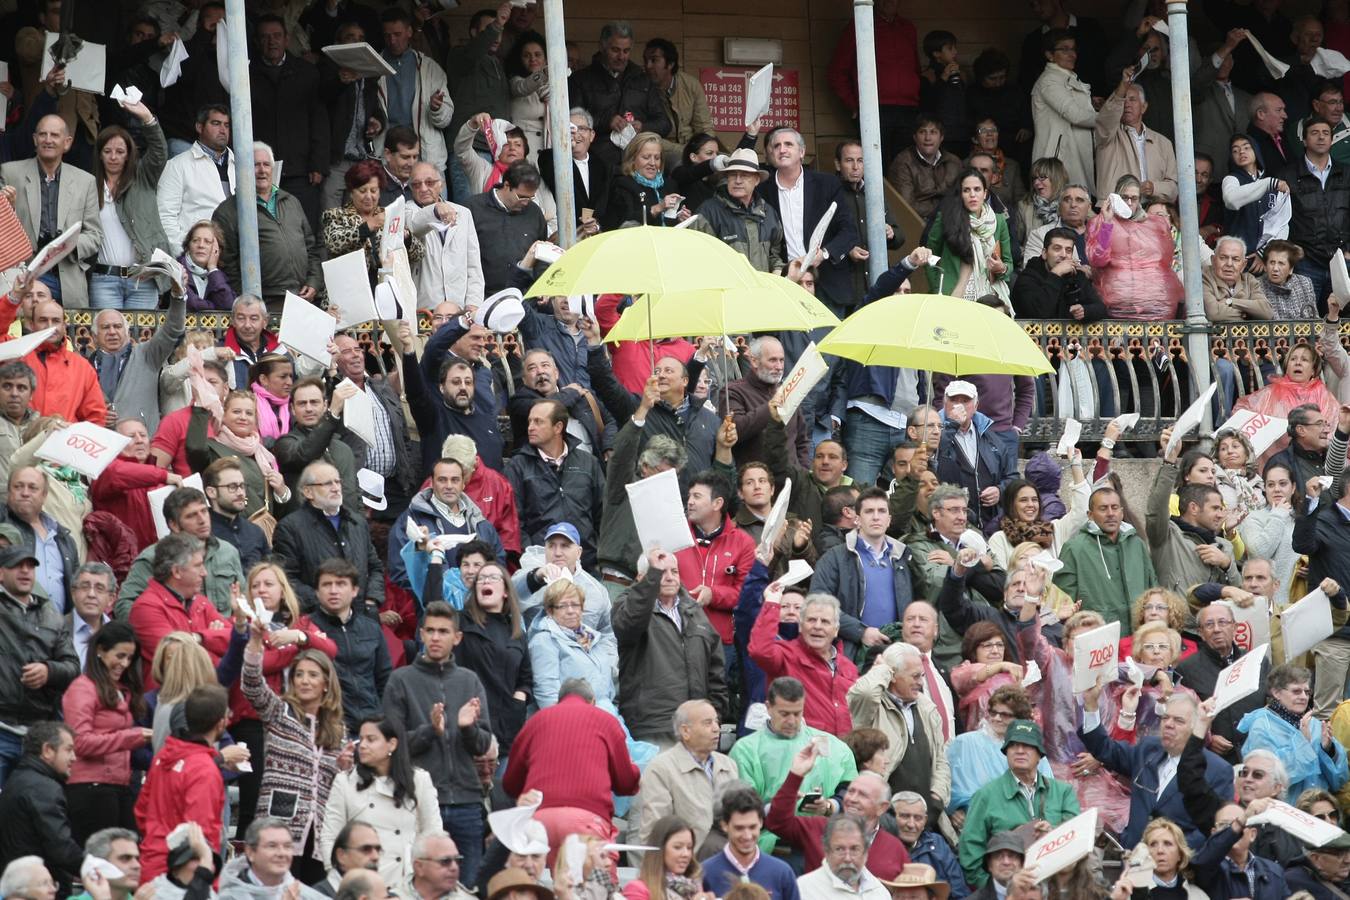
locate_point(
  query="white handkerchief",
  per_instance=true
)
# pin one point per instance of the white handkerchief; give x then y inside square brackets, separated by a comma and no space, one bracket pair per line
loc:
[126,96]
[172,68]
[1276,68]
[1330,63]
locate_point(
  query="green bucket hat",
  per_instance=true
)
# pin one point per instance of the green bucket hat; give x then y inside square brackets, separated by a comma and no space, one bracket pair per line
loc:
[1024,731]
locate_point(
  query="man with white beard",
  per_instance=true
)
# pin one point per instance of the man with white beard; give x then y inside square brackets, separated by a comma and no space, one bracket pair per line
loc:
[749,398]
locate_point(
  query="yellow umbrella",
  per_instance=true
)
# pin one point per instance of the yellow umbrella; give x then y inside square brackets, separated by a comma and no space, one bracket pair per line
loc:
[938,334]
[776,304]
[645,260]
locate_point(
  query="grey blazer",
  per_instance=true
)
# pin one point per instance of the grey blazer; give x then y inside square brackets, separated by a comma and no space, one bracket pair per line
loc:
[77,202]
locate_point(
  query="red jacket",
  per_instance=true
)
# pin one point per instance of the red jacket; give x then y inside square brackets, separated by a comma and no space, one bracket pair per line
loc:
[123,490]
[576,755]
[275,662]
[183,785]
[826,688]
[497,499]
[632,360]
[722,565]
[171,439]
[104,738]
[156,612]
[885,858]
[897,44]
[67,386]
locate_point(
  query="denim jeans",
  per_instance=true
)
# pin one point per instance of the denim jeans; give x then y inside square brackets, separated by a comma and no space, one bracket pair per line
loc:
[869,444]
[11,748]
[464,823]
[114,292]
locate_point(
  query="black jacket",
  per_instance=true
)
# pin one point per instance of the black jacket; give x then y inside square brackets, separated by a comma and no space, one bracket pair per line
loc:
[1039,293]
[854,205]
[289,113]
[601,434]
[502,664]
[362,661]
[301,446]
[1200,672]
[545,495]
[629,202]
[1320,219]
[436,420]
[601,174]
[605,96]
[35,633]
[340,100]
[503,237]
[305,538]
[1325,536]
[834,279]
[65,542]
[34,821]
[247,538]
[754,231]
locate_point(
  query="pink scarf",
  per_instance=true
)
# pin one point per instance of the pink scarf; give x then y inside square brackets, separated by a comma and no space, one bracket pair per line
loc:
[274,413]
[201,388]
[251,446]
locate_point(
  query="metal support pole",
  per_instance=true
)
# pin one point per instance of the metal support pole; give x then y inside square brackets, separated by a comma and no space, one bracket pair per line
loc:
[869,121]
[1197,338]
[555,36]
[241,134]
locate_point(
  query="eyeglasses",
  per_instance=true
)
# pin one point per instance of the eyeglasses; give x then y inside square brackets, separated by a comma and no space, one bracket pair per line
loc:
[1320,423]
[445,860]
[992,645]
[986,131]
[428,182]
[1066,49]
[1299,691]
[1330,816]
[1254,774]
[1157,607]
[332,482]
[1000,714]
[489,578]
[1216,623]
[1040,177]
[1156,648]
[234,486]
[96,587]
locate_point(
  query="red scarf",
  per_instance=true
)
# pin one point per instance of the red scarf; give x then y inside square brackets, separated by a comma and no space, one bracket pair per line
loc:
[495,176]
[269,341]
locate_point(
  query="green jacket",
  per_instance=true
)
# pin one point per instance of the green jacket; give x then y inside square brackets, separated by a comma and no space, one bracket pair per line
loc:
[1106,575]
[807,493]
[1000,806]
[138,210]
[223,569]
[763,760]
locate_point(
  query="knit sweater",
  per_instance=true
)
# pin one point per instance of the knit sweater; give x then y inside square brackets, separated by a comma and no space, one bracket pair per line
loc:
[576,755]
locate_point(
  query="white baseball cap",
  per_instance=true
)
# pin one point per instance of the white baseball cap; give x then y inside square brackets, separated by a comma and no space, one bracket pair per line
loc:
[961,389]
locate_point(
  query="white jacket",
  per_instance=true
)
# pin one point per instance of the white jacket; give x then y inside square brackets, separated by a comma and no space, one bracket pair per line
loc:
[451,268]
[397,826]
[1061,108]
[427,122]
[189,191]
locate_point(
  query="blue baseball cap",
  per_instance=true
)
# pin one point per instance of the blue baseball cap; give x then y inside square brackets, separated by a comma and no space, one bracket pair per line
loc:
[565,529]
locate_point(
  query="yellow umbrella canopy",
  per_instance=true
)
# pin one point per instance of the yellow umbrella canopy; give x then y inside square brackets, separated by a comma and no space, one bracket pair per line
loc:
[776,304]
[938,334]
[645,260]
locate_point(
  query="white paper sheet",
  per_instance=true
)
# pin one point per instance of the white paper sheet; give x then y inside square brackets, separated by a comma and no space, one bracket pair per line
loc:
[799,382]
[1048,562]
[306,329]
[391,235]
[1161,28]
[1063,846]
[4,101]
[974,540]
[758,93]
[1094,654]
[776,521]
[85,447]
[126,96]
[85,72]
[47,258]
[1189,419]
[349,289]
[1126,421]
[21,347]
[1241,679]
[1307,828]
[689,221]
[658,513]
[358,413]
[361,58]
[1306,623]
[818,235]
[798,570]
[622,139]
[1340,279]
[1330,63]
[160,494]
[1253,623]
[1276,68]
[1073,430]
[172,67]
[1262,430]
[1030,674]
[1119,206]
[1140,67]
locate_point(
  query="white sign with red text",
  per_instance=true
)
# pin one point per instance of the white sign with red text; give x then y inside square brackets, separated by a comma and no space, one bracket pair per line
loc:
[1253,623]
[1307,828]
[84,446]
[1240,680]
[1262,430]
[1094,654]
[1064,846]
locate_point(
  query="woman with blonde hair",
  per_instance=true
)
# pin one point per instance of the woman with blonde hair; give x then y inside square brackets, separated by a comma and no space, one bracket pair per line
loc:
[1131,258]
[1158,604]
[562,646]
[237,436]
[174,390]
[640,196]
[1040,207]
[289,633]
[671,872]
[305,732]
[180,666]
[1171,857]
[1155,648]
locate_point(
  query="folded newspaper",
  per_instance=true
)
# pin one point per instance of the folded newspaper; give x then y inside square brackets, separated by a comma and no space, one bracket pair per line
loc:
[163,265]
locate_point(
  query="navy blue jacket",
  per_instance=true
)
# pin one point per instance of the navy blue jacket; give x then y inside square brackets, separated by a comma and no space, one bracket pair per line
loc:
[996,468]
[1139,763]
[834,280]
[1217,876]
[436,420]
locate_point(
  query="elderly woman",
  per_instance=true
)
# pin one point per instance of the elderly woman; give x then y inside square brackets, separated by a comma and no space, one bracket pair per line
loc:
[1007,178]
[1268,531]
[1291,295]
[815,657]
[562,646]
[1232,294]
[1236,459]
[976,757]
[237,435]
[1298,386]
[1022,522]
[1155,649]
[1158,605]
[640,194]
[971,242]
[741,220]
[128,213]
[124,486]
[1131,259]
[207,286]
[360,224]
[985,670]
[1313,758]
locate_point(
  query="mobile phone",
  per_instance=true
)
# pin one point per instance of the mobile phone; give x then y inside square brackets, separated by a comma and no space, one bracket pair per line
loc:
[812,797]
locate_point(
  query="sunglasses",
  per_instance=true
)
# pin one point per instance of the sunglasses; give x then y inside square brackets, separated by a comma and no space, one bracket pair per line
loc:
[1249,772]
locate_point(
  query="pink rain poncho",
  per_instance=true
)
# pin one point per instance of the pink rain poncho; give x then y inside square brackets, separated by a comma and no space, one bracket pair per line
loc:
[1281,396]
[1132,267]
[1060,716]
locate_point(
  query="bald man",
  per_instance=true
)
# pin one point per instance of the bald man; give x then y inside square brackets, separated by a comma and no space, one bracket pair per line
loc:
[49,197]
[67,385]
